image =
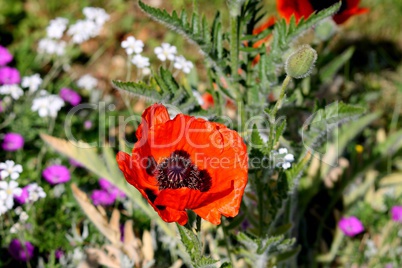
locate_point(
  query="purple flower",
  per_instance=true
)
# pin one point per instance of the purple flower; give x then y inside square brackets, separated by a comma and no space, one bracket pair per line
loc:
[23,197]
[107,186]
[70,96]
[396,212]
[12,142]
[87,124]
[56,174]
[9,76]
[75,163]
[5,56]
[351,226]
[58,253]
[21,252]
[102,197]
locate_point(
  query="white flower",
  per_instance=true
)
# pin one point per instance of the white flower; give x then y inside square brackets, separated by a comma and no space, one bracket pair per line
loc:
[87,82]
[18,210]
[181,63]
[9,168]
[35,192]
[10,189]
[14,90]
[32,82]
[58,190]
[165,51]
[15,228]
[287,159]
[283,151]
[96,14]
[83,30]
[51,47]
[56,28]
[140,61]
[3,207]
[146,71]
[47,105]
[198,97]
[24,216]
[132,45]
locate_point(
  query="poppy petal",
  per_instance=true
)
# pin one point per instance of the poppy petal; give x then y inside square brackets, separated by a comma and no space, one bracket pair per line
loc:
[153,115]
[185,198]
[208,160]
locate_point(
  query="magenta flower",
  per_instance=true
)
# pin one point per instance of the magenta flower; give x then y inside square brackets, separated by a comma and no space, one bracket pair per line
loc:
[21,252]
[58,253]
[5,56]
[23,197]
[70,96]
[396,213]
[56,174]
[12,142]
[87,124]
[107,186]
[9,76]
[102,197]
[351,226]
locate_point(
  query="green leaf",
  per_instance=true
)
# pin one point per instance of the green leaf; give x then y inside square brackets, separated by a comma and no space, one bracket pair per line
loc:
[194,248]
[191,31]
[328,71]
[320,124]
[256,139]
[304,25]
[351,129]
[140,89]
[391,145]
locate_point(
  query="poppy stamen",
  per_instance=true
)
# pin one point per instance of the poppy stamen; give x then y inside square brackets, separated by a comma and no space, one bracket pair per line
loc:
[177,171]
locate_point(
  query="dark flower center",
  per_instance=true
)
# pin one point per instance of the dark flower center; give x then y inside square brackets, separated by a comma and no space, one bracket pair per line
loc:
[177,171]
[323,4]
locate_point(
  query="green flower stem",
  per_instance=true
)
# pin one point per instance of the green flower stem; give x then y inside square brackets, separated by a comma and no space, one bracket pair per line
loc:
[53,72]
[281,96]
[234,44]
[43,150]
[128,74]
[273,112]
[227,243]
[198,222]
[125,95]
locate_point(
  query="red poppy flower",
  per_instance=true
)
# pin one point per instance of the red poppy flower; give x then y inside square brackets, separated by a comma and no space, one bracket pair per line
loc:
[304,8]
[186,163]
[208,101]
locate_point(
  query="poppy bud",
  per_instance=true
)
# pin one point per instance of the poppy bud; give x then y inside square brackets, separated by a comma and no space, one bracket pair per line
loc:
[300,63]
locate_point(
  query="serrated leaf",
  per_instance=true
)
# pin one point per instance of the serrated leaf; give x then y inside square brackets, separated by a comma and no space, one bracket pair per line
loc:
[256,139]
[279,130]
[304,25]
[320,124]
[177,24]
[140,89]
[190,241]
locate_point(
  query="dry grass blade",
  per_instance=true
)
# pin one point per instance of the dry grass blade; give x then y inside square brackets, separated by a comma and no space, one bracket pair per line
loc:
[147,249]
[95,216]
